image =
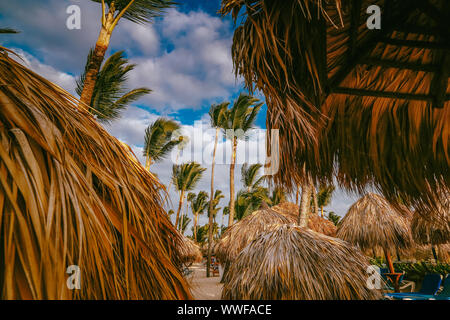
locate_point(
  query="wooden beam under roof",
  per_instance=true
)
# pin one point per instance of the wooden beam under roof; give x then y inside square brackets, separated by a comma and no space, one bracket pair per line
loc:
[400,65]
[385,94]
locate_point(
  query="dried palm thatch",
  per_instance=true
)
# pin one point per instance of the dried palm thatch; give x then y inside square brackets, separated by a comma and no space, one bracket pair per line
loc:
[293,263]
[383,95]
[189,252]
[71,194]
[243,232]
[371,222]
[432,231]
[315,222]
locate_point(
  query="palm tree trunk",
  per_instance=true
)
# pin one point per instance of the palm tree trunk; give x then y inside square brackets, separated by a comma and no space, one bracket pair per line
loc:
[314,195]
[180,204]
[304,205]
[296,195]
[195,226]
[210,231]
[232,166]
[321,211]
[148,162]
[98,55]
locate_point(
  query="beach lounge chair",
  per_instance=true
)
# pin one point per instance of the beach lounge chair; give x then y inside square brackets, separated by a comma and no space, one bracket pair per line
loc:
[430,286]
[443,295]
[403,284]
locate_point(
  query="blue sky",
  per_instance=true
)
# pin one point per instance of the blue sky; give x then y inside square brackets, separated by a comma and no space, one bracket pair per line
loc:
[184,57]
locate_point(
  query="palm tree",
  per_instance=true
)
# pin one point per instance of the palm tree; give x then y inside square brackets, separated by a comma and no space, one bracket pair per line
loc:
[199,203]
[333,217]
[185,177]
[137,11]
[324,196]
[249,201]
[213,205]
[250,177]
[110,95]
[239,119]
[184,223]
[158,140]
[278,196]
[217,114]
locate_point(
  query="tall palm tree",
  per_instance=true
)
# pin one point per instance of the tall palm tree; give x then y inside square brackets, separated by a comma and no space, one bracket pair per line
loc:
[158,140]
[250,177]
[199,203]
[324,196]
[185,177]
[137,11]
[239,119]
[217,114]
[110,95]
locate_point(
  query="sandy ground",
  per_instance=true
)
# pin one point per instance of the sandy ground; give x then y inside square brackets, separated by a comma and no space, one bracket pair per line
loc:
[204,288]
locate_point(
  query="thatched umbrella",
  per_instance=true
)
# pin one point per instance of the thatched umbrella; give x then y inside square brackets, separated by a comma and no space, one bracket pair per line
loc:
[315,222]
[71,194]
[382,95]
[243,232]
[290,262]
[372,222]
[189,252]
[432,231]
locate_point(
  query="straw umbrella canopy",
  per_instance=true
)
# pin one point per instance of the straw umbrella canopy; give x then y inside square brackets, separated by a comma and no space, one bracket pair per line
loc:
[364,107]
[290,262]
[372,222]
[71,194]
[243,232]
[189,252]
[432,231]
[315,222]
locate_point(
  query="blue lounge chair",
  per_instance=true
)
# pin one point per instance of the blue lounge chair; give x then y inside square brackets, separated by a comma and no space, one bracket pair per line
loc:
[443,295]
[430,285]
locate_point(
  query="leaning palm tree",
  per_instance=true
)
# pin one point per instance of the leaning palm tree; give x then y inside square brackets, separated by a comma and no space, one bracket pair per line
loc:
[110,96]
[217,114]
[238,121]
[158,140]
[199,203]
[185,177]
[137,11]
[324,196]
[250,177]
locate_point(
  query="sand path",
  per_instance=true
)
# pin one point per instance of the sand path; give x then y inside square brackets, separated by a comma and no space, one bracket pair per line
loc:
[204,288]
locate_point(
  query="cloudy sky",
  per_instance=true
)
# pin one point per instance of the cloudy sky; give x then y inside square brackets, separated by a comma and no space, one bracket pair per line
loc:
[184,57]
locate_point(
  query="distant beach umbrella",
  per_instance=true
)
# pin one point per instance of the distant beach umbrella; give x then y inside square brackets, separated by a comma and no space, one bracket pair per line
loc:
[243,232]
[293,263]
[315,222]
[372,222]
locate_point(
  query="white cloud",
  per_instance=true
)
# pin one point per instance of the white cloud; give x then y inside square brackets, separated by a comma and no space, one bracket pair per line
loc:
[64,80]
[197,69]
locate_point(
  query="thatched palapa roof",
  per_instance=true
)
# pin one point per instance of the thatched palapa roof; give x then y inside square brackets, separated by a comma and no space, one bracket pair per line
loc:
[71,194]
[365,107]
[292,263]
[432,231]
[372,222]
[189,251]
[243,232]
[315,222]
